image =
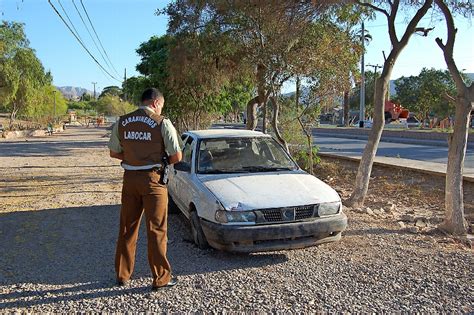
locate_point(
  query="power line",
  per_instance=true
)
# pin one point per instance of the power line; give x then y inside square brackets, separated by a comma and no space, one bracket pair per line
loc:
[100,42]
[72,24]
[82,44]
[90,34]
[77,33]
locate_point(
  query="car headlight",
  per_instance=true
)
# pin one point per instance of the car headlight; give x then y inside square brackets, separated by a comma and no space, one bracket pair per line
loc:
[235,216]
[329,208]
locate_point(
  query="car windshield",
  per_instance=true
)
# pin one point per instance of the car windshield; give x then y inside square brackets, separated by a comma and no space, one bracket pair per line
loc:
[242,155]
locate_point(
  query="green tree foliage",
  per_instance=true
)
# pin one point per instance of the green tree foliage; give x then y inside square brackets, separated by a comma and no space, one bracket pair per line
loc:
[113,105]
[82,107]
[194,93]
[154,60]
[25,87]
[111,90]
[133,88]
[86,97]
[278,39]
[42,107]
[429,93]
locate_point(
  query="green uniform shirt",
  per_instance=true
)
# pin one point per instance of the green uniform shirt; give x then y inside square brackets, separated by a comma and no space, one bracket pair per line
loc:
[170,137]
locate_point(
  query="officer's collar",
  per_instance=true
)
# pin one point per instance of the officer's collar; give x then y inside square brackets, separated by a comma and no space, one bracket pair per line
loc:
[147,108]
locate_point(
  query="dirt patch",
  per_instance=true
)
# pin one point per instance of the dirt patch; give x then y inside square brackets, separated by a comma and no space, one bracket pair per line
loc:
[397,192]
[59,214]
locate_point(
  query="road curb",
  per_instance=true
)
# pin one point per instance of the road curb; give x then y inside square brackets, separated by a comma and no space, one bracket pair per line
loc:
[401,136]
[467,178]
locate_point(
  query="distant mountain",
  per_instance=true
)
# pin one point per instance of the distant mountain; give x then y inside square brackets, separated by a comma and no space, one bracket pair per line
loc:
[72,92]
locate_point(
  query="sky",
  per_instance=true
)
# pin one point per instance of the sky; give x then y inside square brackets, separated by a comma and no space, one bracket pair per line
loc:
[122,25]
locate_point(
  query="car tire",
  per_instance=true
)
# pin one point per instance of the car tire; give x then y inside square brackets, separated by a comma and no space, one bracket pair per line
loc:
[172,207]
[196,231]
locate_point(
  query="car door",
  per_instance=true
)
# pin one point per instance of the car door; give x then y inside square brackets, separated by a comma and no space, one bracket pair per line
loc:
[182,176]
[172,186]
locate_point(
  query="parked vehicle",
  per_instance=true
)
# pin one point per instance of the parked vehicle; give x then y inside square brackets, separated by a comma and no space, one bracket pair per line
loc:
[363,124]
[242,192]
[394,111]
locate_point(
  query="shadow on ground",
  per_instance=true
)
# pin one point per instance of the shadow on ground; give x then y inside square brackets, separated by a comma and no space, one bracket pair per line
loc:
[74,248]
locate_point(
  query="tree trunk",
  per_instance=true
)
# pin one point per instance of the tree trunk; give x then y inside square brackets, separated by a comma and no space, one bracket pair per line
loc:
[276,109]
[381,86]
[262,99]
[346,108]
[12,116]
[454,222]
[252,113]
[307,133]
[310,155]
[365,166]
[309,142]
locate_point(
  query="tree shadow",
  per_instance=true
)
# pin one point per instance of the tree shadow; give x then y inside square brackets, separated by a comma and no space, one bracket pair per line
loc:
[74,248]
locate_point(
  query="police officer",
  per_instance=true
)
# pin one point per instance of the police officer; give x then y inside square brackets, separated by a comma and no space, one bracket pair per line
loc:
[140,140]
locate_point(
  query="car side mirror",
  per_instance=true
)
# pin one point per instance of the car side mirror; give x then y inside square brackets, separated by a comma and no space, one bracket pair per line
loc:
[182,166]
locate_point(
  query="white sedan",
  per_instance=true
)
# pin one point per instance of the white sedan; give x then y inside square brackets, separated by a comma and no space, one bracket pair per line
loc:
[243,193]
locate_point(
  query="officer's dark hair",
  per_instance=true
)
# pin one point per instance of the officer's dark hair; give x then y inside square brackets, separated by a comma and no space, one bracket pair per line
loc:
[151,94]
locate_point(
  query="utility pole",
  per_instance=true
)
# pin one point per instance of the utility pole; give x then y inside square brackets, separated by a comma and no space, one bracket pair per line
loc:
[375,74]
[54,111]
[94,83]
[375,67]
[124,85]
[362,81]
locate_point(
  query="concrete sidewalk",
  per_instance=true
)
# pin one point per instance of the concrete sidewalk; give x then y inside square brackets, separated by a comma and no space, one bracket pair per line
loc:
[432,168]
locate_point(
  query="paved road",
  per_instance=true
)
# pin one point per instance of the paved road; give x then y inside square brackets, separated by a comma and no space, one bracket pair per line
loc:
[355,147]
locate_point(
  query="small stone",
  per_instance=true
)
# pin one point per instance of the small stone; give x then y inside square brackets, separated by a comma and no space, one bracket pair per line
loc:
[379,211]
[407,218]
[412,229]
[369,211]
[420,223]
[391,208]
[401,224]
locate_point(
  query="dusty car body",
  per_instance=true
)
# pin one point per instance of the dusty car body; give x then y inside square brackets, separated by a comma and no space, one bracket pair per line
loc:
[243,193]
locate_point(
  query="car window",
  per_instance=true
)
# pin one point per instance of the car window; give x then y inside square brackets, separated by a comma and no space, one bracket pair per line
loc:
[188,151]
[236,155]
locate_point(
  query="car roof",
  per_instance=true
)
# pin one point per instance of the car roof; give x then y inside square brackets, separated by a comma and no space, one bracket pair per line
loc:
[226,133]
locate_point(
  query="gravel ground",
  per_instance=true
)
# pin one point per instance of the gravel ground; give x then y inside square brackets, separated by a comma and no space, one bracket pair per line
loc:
[59,210]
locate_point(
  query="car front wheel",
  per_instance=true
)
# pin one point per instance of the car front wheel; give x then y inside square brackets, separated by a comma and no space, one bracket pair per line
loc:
[197,233]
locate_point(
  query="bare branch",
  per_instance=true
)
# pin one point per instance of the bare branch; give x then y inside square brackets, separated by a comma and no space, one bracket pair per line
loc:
[439,41]
[411,28]
[373,7]
[449,98]
[424,30]
[449,47]
[391,22]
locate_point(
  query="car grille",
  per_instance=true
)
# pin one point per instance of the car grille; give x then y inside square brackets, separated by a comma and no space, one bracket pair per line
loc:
[272,215]
[287,214]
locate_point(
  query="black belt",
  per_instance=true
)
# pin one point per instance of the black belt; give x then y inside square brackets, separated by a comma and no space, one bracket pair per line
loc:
[154,169]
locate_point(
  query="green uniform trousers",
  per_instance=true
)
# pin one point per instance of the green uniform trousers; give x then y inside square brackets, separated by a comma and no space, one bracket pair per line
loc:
[142,192]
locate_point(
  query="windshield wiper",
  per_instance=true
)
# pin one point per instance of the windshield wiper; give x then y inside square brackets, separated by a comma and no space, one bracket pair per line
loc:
[224,171]
[265,168]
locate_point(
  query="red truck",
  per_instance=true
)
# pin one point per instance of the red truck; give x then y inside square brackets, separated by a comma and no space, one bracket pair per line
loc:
[394,111]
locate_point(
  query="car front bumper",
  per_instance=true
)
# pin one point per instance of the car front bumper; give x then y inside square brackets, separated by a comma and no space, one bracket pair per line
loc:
[256,238]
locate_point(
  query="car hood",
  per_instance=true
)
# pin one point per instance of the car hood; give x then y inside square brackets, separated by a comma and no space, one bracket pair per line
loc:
[268,190]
